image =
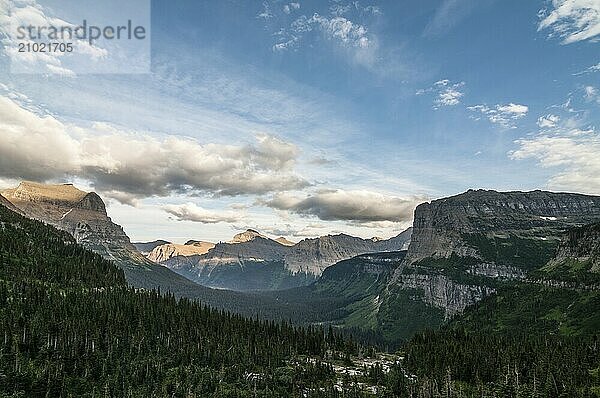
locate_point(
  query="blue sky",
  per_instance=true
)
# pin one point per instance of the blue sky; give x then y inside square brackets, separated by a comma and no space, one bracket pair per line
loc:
[312,117]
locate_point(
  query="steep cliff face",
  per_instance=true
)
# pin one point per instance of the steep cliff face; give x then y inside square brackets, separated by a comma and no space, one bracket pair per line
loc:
[164,252]
[83,215]
[440,226]
[463,245]
[578,256]
[314,255]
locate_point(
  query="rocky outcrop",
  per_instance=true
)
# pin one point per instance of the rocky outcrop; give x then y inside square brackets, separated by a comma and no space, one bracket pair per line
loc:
[247,236]
[81,214]
[441,291]
[581,246]
[488,235]
[5,202]
[496,271]
[164,252]
[84,216]
[146,247]
[439,226]
[284,241]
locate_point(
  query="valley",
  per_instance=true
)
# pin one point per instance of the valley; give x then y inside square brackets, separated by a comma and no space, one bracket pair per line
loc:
[519,268]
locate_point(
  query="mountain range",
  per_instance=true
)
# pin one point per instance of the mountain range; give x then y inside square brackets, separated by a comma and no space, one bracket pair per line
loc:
[253,261]
[464,253]
[476,248]
[83,215]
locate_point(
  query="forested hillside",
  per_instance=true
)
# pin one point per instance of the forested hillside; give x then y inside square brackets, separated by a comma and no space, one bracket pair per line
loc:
[70,326]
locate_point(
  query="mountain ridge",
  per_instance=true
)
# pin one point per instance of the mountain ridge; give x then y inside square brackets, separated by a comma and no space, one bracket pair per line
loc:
[302,262]
[83,215]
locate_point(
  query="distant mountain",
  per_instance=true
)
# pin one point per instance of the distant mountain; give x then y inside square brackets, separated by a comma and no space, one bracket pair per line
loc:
[164,252]
[524,259]
[146,247]
[313,256]
[255,262]
[398,242]
[247,236]
[6,203]
[284,241]
[466,247]
[83,215]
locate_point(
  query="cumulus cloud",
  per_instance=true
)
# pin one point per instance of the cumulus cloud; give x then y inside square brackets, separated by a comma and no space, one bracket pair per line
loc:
[192,212]
[503,115]
[548,121]
[131,166]
[356,206]
[447,93]
[572,20]
[34,147]
[571,152]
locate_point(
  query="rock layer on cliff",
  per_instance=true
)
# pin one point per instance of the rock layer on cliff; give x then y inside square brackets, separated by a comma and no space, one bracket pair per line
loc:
[463,244]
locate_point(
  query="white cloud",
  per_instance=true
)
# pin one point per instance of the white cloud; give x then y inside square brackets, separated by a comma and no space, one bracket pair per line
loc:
[447,93]
[375,10]
[573,153]
[192,212]
[266,13]
[337,28]
[356,205]
[591,94]
[130,165]
[591,69]
[548,121]
[503,115]
[449,14]
[34,147]
[289,8]
[572,20]
[29,13]
[346,30]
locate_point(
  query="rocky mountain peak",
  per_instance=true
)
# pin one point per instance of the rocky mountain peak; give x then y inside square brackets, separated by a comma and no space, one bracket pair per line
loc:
[246,236]
[146,247]
[167,251]
[284,241]
[81,214]
[47,202]
[439,225]
[92,202]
